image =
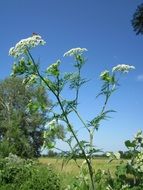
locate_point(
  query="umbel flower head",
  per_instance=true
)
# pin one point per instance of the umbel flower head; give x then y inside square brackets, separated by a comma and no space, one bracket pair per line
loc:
[75,51]
[26,44]
[123,68]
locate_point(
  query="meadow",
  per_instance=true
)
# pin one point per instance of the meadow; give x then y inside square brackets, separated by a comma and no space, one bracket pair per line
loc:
[71,170]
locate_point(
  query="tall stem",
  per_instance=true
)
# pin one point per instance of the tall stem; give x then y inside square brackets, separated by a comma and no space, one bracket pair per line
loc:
[106,100]
[80,146]
[68,123]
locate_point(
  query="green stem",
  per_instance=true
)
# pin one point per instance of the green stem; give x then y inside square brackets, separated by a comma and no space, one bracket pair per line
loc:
[78,85]
[68,123]
[79,116]
[73,151]
[81,148]
[91,132]
[106,100]
[41,77]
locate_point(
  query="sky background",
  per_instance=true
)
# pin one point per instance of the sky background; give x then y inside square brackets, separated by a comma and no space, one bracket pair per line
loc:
[101,26]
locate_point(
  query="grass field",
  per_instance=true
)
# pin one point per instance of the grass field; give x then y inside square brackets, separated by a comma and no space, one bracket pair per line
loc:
[69,171]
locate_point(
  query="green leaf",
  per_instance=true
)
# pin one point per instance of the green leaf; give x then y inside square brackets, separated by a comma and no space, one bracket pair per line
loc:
[53,69]
[33,106]
[129,144]
[121,170]
[51,84]
[96,121]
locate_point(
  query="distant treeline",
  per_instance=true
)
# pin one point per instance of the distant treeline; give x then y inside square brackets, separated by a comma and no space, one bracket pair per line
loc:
[52,154]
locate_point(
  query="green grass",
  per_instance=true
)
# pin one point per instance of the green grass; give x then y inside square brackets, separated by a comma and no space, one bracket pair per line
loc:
[69,171]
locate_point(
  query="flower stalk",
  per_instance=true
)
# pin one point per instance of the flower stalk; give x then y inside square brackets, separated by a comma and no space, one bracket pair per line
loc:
[55,83]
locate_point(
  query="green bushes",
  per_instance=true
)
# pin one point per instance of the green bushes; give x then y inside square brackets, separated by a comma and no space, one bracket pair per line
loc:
[20,174]
[129,174]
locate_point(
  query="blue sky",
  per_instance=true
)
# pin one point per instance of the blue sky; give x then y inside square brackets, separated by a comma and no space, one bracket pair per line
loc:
[104,28]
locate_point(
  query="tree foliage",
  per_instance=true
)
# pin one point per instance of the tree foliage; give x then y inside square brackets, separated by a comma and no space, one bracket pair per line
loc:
[137,21]
[21,124]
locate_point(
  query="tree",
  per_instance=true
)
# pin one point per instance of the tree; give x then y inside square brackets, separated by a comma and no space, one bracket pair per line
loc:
[137,21]
[21,124]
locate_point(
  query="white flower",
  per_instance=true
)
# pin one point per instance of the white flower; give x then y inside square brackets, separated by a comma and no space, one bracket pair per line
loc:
[75,51]
[108,154]
[24,44]
[11,51]
[123,68]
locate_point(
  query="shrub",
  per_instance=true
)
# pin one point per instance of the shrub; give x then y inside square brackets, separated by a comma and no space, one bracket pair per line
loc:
[128,175]
[20,174]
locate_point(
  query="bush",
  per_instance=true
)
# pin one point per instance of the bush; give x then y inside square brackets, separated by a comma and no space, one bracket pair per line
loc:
[129,174]
[20,174]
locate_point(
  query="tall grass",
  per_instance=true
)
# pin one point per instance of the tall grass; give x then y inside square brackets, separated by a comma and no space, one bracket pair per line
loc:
[71,170]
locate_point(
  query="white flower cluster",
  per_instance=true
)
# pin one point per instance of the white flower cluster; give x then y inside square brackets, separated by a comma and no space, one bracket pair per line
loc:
[139,136]
[24,44]
[75,51]
[138,163]
[123,68]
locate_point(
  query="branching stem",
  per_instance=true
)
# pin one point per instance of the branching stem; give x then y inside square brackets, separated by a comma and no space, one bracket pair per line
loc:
[91,173]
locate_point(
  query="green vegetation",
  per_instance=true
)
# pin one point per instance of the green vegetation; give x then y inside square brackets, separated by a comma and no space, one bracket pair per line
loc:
[25,127]
[54,81]
[87,175]
[21,124]
[71,170]
[137,21]
[20,174]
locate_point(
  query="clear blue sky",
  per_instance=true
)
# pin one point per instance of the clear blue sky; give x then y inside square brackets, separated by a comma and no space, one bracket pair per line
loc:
[101,26]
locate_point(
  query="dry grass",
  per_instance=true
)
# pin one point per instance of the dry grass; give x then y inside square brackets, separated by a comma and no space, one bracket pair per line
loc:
[69,171]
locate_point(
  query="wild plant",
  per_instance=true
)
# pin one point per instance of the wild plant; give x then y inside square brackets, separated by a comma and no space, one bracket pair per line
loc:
[62,108]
